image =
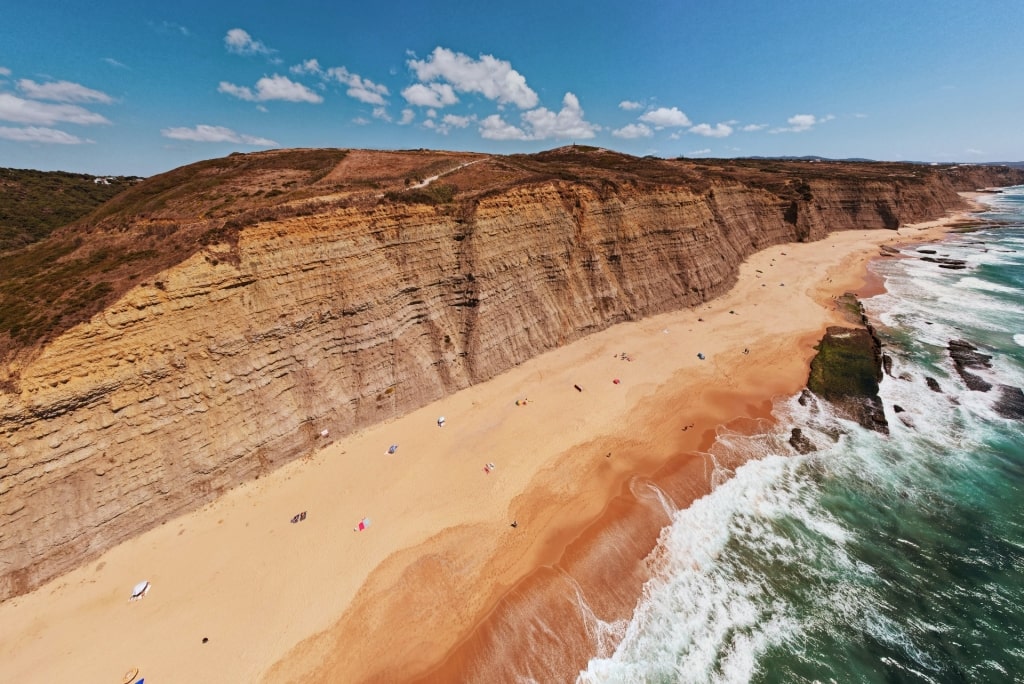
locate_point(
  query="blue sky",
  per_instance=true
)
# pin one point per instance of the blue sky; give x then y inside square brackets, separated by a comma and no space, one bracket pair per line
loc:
[113,87]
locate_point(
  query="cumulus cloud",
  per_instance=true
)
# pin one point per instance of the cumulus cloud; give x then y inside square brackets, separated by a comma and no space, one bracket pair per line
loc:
[381,113]
[36,134]
[448,122]
[20,110]
[274,87]
[631,131]
[493,78]
[543,124]
[4,71]
[310,66]
[665,117]
[430,95]
[359,88]
[629,105]
[407,116]
[214,134]
[750,128]
[720,130]
[799,123]
[694,153]
[240,42]
[62,91]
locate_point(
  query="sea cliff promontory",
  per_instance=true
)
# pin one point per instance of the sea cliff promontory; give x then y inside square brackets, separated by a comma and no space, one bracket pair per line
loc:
[213,323]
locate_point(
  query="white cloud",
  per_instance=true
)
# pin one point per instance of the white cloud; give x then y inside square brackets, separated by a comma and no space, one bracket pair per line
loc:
[205,133]
[448,122]
[694,153]
[567,123]
[631,131]
[493,78]
[430,95]
[974,152]
[240,42]
[495,128]
[381,113]
[799,123]
[4,71]
[114,63]
[40,135]
[274,87]
[720,130]
[407,116]
[664,117]
[310,66]
[361,121]
[62,91]
[750,128]
[359,88]
[19,110]
[629,105]
[543,124]
[458,121]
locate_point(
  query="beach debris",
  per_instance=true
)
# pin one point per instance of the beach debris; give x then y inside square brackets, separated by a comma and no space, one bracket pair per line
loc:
[140,590]
[616,381]
[363,524]
[700,355]
[393,448]
[299,517]
[578,388]
[440,421]
[325,432]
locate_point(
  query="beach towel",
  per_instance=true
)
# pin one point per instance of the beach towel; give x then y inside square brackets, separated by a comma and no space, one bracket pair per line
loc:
[363,524]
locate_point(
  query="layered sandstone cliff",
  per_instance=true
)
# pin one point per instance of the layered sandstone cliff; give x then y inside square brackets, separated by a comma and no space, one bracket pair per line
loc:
[232,362]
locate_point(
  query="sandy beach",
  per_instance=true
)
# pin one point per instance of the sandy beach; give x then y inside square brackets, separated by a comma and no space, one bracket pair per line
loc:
[241,594]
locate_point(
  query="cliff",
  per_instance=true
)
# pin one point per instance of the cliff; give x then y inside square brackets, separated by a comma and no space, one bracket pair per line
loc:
[225,346]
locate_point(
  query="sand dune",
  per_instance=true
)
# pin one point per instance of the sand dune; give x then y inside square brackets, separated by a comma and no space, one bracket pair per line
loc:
[277,601]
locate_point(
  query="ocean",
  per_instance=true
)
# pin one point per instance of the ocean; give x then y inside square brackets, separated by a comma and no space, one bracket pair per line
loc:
[876,558]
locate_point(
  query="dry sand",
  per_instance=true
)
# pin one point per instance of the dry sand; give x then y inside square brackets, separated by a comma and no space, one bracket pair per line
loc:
[278,601]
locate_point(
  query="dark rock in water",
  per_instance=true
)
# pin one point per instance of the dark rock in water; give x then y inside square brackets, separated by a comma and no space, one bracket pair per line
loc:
[897,408]
[1010,404]
[926,251]
[846,372]
[887,364]
[805,398]
[800,442]
[933,384]
[965,355]
[953,267]
[906,377]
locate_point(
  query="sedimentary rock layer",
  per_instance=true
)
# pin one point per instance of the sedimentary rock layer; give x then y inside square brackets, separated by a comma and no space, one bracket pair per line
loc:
[232,362]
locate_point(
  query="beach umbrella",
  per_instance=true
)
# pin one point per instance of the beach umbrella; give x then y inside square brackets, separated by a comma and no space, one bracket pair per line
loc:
[363,524]
[140,590]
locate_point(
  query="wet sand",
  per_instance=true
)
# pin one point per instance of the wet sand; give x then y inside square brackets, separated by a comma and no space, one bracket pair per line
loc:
[441,583]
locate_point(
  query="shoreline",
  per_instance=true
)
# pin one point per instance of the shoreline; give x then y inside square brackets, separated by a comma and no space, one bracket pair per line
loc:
[439,520]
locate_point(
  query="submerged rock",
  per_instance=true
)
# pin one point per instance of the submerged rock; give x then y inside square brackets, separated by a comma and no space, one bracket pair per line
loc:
[1011,402]
[799,441]
[965,355]
[933,384]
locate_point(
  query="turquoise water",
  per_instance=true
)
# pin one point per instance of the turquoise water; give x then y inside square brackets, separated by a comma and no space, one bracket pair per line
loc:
[877,558]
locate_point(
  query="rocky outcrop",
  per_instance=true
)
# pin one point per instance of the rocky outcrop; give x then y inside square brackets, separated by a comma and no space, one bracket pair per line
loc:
[846,372]
[965,357]
[232,362]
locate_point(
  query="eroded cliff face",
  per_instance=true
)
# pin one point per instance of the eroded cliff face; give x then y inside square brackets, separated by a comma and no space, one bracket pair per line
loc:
[232,362]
